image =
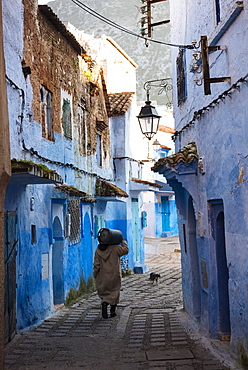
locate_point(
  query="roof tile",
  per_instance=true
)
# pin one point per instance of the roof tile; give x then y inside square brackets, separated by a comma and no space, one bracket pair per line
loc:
[119,103]
[185,155]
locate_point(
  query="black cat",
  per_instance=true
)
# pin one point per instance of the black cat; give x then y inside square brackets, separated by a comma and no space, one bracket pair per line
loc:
[154,276]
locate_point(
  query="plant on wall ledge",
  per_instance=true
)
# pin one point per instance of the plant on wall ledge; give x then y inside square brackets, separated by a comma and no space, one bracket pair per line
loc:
[88,75]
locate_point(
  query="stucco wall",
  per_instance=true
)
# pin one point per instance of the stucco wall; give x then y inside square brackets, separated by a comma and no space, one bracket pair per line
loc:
[220,134]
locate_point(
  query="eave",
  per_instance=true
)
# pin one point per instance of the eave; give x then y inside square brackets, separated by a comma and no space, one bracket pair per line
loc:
[74,192]
[143,185]
[24,172]
[109,192]
[166,189]
[185,162]
[111,199]
[47,11]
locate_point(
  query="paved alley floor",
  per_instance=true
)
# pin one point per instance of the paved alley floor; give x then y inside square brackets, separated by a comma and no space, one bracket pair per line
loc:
[148,332]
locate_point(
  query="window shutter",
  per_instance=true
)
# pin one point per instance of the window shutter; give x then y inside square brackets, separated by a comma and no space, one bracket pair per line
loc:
[181,85]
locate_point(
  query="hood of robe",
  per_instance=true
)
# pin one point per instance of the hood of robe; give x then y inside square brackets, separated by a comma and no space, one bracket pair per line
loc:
[104,253]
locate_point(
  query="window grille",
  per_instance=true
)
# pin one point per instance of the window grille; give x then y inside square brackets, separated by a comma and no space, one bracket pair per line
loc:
[67,124]
[181,81]
[75,229]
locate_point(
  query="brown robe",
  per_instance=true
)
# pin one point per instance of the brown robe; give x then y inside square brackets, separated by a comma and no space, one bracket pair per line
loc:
[107,272]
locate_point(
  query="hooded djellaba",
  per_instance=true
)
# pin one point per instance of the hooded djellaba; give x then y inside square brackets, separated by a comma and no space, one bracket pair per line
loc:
[107,272]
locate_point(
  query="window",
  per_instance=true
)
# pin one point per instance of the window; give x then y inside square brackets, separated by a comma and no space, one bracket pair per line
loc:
[181,80]
[99,223]
[217,10]
[82,128]
[33,234]
[99,149]
[74,210]
[67,123]
[163,152]
[46,113]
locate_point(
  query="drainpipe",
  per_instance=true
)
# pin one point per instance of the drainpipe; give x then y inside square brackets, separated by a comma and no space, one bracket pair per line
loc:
[5,173]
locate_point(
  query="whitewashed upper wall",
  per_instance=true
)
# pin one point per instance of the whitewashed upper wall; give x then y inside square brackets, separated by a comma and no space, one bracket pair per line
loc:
[13,38]
[18,89]
[191,19]
[119,68]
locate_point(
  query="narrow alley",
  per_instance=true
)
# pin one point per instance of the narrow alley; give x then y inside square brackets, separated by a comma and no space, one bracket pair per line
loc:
[149,331]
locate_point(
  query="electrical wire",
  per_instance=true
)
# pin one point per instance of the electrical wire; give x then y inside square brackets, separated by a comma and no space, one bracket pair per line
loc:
[123,29]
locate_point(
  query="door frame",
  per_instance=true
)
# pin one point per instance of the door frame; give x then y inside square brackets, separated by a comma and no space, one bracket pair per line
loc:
[135,229]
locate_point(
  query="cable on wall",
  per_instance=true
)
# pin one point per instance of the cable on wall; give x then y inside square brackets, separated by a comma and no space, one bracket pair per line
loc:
[61,164]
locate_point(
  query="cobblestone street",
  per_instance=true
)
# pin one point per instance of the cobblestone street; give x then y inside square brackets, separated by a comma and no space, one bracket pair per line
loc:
[149,331]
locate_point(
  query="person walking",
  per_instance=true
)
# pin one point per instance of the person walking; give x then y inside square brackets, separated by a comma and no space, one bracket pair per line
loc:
[107,272]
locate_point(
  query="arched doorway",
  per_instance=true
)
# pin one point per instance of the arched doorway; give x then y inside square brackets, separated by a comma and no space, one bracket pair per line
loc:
[87,248]
[57,262]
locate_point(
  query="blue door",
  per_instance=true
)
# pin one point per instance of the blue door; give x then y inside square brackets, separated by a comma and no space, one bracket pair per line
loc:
[194,257]
[222,275]
[222,292]
[87,248]
[165,211]
[135,229]
[57,262]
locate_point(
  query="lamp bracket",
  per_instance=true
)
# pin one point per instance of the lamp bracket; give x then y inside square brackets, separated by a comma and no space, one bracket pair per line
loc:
[164,85]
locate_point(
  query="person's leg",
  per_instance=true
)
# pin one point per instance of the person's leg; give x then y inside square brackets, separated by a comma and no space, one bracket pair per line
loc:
[112,310]
[105,310]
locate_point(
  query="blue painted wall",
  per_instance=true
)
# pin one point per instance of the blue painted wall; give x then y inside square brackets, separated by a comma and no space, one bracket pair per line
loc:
[33,292]
[36,295]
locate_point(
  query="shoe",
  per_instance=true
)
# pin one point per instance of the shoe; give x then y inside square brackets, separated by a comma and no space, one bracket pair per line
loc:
[105,310]
[112,311]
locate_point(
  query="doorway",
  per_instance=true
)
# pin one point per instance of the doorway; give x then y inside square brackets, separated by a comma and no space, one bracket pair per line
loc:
[57,262]
[135,229]
[165,211]
[194,257]
[87,248]
[218,228]
[10,244]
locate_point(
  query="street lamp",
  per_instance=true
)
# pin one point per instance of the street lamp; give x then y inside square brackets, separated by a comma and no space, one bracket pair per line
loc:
[156,145]
[149,117]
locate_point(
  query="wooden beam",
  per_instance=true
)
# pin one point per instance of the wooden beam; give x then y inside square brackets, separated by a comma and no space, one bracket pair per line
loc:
[155,1]
[219,79]
[149,17]
[205,65]
[159,23]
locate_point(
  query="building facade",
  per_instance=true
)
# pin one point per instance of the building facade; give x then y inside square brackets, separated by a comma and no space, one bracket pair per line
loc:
[209,170]
[71,163]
